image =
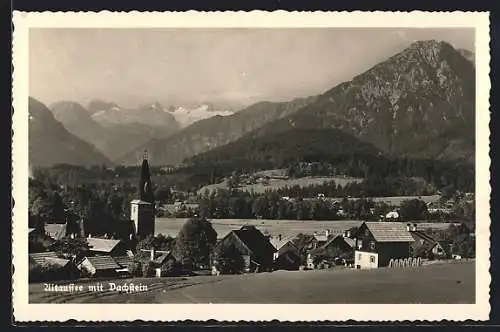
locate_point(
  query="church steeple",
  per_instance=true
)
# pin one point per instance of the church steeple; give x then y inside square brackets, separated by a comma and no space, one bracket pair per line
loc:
[145,186]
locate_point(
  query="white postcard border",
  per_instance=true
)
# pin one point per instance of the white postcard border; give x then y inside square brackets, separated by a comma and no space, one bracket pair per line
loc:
[24,312]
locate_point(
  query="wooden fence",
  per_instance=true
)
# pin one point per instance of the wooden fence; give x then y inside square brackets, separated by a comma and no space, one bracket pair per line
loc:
[405,262]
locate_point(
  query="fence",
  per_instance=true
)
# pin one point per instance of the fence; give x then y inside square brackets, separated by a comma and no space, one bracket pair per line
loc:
[405,262]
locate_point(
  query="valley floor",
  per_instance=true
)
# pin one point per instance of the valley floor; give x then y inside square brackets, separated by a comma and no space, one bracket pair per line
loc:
[438,283]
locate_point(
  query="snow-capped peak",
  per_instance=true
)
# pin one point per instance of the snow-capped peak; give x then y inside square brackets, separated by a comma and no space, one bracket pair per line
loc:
[185,116]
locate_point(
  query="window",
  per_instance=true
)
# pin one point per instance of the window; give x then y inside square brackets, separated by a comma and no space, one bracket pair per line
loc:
[372,259]
[372,245]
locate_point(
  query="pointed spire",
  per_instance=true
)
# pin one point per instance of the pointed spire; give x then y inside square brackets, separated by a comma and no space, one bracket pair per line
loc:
[145,186]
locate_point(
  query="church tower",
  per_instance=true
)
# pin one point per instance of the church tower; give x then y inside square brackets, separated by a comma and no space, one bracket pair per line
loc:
[142,210]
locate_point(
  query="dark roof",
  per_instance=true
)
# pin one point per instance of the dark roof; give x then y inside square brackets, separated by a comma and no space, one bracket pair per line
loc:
[348,242]
[427,239]
[384,231]
[41,257]
[258,244]
[123,261]
[446,246]
[159,259]
[103,262]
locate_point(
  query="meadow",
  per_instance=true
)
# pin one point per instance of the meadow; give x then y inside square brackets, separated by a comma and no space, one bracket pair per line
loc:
[275,184]
[438,283]
[287,228]
[172,226]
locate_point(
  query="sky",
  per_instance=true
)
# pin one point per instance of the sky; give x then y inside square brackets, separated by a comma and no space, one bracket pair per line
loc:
[182,67]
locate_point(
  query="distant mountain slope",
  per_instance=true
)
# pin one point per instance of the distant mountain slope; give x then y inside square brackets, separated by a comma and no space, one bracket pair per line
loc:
[77,121]
[282,148]
[114,139]
[50,143]
[150,115]
[412,104]
[215,131]
[469,55]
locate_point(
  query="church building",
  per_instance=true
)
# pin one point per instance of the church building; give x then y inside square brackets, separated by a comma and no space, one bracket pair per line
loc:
[142,210]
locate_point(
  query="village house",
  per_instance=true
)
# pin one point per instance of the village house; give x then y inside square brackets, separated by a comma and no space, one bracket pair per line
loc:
[56,231]
[61,268]
[392,215]
[337,250]
[427,246]
[99,266]
[286,256]
[319,239]
[379,242]
[255,248]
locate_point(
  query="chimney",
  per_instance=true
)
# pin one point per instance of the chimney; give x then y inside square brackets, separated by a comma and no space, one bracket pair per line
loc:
[327,232]
[408,227]
[348,233]
[414,228]
[130,236]
[90,236]
[152,254]
[72,235]
[279,237]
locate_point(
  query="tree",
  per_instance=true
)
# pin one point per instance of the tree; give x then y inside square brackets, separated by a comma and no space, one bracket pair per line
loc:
[195,242]
[229,260]
[73,248]
[48,207]
[171,268]
[413,209]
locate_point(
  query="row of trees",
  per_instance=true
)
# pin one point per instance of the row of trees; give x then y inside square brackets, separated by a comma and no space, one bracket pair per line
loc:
[233,204]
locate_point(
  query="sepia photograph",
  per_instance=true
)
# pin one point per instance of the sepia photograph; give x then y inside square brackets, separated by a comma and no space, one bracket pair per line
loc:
[252,164]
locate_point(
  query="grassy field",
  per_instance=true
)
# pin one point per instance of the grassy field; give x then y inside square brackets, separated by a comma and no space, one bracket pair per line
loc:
[280,183]
[172,226]
[438,283]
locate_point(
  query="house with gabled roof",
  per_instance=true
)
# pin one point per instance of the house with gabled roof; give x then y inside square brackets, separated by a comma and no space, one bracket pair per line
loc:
[255,248]
[60,268]
[99,266]
[379,242]
[287,255]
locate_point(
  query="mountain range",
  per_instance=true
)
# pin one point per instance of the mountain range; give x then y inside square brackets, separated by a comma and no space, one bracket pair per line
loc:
[213,132]
[418,103]
[50,143]
[113,131]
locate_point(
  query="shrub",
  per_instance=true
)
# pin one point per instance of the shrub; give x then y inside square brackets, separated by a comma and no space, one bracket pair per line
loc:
[229,260]
[135,268]
[148,269]
[45,272]
[171,268]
